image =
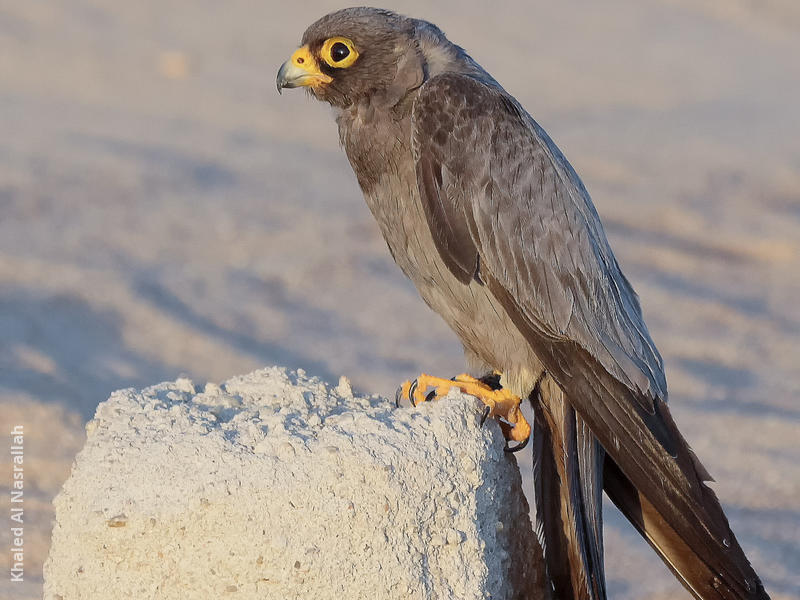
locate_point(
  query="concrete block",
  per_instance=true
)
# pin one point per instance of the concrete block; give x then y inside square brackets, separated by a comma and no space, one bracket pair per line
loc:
[275,485]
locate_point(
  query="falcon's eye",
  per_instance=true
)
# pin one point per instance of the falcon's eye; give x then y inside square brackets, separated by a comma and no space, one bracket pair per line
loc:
[339,52]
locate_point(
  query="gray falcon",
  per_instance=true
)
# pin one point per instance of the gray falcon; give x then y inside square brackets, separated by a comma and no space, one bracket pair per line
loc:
[484,214]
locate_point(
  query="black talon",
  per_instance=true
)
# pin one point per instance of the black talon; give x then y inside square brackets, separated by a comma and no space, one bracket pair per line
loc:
[518,447]
[398,395]
[411,389]
[431,396]
[486,411]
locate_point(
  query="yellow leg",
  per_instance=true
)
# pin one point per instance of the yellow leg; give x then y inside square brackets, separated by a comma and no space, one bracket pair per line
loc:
[501,403]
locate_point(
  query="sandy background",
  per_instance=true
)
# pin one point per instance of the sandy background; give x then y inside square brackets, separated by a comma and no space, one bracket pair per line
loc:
[164,211]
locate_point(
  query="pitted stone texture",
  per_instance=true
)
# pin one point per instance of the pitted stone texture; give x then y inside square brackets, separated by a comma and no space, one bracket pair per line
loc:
[274,485]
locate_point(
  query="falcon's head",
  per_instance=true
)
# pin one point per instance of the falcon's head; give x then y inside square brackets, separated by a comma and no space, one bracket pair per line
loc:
[359,53]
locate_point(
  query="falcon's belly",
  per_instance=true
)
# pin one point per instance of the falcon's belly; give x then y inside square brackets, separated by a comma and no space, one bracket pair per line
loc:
[470,310]
[479,320]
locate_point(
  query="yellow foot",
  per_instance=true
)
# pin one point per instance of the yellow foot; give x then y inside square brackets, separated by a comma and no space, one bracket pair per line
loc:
[500,404]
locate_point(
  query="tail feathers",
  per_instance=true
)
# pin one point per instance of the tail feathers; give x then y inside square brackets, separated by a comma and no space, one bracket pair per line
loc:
[568,466]
[659,483]
[638,433]
[591,459]
[696,575]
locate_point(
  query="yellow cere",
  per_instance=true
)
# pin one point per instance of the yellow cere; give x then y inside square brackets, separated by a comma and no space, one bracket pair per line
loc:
[339,52]
[303,59]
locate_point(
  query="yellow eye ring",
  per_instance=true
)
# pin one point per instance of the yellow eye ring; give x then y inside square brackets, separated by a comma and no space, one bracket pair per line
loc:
[339,52]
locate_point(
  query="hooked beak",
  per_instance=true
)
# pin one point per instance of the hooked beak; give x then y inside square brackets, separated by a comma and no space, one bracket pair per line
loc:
[301,70]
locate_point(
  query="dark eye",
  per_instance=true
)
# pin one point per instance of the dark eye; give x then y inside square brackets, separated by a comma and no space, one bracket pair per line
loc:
[339,52]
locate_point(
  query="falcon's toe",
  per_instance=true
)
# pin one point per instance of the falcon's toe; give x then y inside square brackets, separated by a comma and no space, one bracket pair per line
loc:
[500,403]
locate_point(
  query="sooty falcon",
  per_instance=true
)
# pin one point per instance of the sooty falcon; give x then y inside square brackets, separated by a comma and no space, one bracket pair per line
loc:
[484,214]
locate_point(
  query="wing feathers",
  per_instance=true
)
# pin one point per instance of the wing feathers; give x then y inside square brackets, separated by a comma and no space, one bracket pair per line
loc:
[458,250]
[530,219]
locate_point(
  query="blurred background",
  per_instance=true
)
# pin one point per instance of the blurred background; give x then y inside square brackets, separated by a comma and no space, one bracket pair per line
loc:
[163,211]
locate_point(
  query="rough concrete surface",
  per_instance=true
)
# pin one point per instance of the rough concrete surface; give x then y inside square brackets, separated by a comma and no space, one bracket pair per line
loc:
[275,486]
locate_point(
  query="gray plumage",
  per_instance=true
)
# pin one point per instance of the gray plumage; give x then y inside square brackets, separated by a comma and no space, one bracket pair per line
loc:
[484,214]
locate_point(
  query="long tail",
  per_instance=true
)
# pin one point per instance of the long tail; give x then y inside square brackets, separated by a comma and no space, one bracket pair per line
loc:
[568,469]
[674,551]
[654,477]
[701,577]
[660,483]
